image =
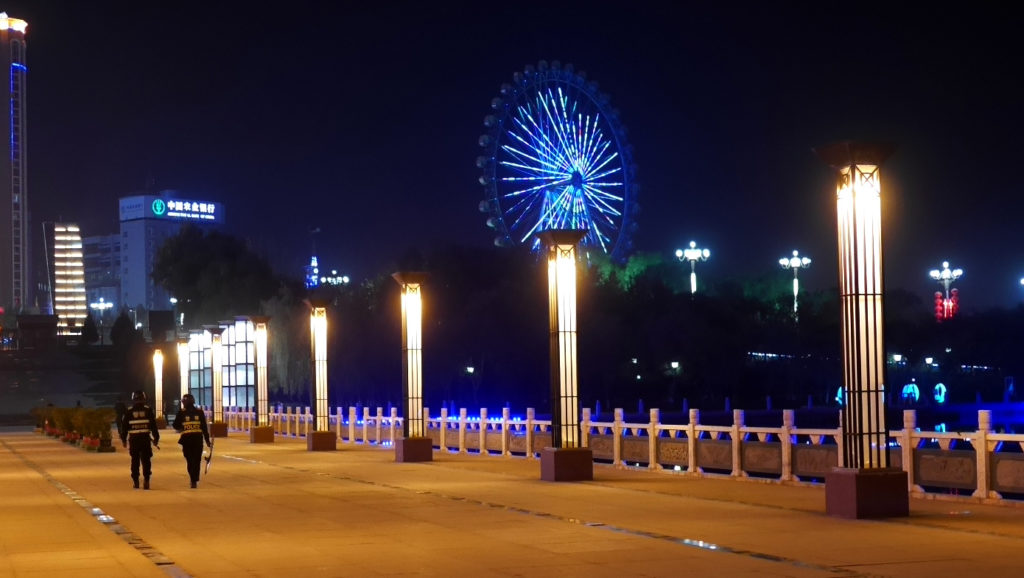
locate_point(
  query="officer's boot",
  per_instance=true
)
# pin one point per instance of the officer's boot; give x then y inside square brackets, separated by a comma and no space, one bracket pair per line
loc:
[135,483]
[145,483]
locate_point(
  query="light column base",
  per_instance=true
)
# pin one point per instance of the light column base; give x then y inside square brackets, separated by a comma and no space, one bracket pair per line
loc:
[867,493]
[263,434]
[414,449]
[321,441]
[566,464]
[219,429]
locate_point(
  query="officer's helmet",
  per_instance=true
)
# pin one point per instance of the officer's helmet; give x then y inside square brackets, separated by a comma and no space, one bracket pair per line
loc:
[188,400]
[139,396]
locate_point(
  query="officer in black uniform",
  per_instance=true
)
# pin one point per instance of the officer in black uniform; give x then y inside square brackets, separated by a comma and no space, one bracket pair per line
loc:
[138,434]
[191,423]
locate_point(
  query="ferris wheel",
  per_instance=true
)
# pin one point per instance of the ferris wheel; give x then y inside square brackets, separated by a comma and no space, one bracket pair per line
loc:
[556,157]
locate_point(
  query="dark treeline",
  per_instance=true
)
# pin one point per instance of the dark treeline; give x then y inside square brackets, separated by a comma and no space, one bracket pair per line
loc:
[642,337]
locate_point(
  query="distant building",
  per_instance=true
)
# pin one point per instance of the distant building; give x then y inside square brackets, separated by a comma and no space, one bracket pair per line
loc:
[69,279]
[146,222]
[101,255]
[15,252]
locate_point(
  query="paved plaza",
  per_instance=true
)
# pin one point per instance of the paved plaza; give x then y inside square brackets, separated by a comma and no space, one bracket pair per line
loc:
[279,510]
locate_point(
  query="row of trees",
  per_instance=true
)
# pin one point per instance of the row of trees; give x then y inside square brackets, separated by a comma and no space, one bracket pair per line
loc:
[642,336]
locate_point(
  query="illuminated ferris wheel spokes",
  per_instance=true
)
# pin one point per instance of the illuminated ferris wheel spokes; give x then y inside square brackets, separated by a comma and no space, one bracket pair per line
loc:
[558,160]
[565,168]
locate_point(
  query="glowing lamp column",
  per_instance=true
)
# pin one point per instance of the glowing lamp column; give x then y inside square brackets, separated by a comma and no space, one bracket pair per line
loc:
[322,438]
[182,368]
[262,431]
[566,460]
[693,254]
[158,388]
[414,446]
[864,486]
[795,263]
[218,427]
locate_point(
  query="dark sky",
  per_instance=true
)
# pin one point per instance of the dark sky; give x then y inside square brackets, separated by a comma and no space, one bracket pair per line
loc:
[362,119]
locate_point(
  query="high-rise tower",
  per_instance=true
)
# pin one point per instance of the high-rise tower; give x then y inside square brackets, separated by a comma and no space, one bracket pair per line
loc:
[15,257]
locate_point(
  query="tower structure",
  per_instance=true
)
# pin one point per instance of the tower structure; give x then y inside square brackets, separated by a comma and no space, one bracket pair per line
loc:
[69,279]
[15,257]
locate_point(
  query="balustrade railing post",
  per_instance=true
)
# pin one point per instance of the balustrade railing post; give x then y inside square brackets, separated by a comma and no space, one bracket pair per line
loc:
[907,446]
[691,445]
[737,443]
[307,418]
[442,443]
[391,425]
[786,441]
[288,421]
[377,427]
[462,430]
[505,419]
[338,421]
[366,423]
[530,414]
[652,440]
[352,419]
[585,428]
[981,450]
[483,431]
[617,428]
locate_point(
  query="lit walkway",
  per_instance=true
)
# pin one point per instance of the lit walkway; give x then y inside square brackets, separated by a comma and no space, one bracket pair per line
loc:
[278,510]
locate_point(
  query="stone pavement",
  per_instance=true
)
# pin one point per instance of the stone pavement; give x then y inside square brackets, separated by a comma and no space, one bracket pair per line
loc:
[279,510]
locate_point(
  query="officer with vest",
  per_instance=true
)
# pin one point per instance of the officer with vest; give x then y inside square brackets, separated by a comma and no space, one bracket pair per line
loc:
[139,433]
[191,423]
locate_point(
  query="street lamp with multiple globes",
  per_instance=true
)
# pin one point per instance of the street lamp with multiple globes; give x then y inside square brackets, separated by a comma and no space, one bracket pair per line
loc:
[796,262]
[693,254]
[946,305]
[101,307]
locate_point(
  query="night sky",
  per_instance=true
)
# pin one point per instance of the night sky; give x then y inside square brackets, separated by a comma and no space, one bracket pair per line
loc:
[362,119]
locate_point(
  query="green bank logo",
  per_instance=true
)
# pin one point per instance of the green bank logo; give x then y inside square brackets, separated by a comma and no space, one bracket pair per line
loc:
[159,207]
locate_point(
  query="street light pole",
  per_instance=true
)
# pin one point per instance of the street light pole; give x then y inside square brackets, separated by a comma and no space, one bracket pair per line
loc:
[101,307]
[796,262]
[946,277]
[693,254]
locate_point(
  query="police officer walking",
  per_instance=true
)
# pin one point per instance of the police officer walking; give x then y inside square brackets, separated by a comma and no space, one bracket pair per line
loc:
[139,433]
[191,423]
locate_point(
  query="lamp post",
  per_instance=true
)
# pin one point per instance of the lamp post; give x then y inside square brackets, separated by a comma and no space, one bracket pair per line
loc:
[693,254]
[101,308]
[158,384]
[218,427]
[183,369]
[796,262]
[322,439]
[567,459]
[949,304]
[262,431]
[865,485]
[414,446]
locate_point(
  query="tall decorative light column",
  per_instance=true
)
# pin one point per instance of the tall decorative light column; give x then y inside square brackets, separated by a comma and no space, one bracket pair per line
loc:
[796,262]
[693,254]
[218,427]
[414,445]
[322,438]
[182,368]
[566,460]
[947,304]
[262,431]
[865,486]
[158,387]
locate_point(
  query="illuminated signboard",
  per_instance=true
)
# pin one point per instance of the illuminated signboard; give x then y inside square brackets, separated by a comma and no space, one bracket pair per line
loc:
[171,207]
